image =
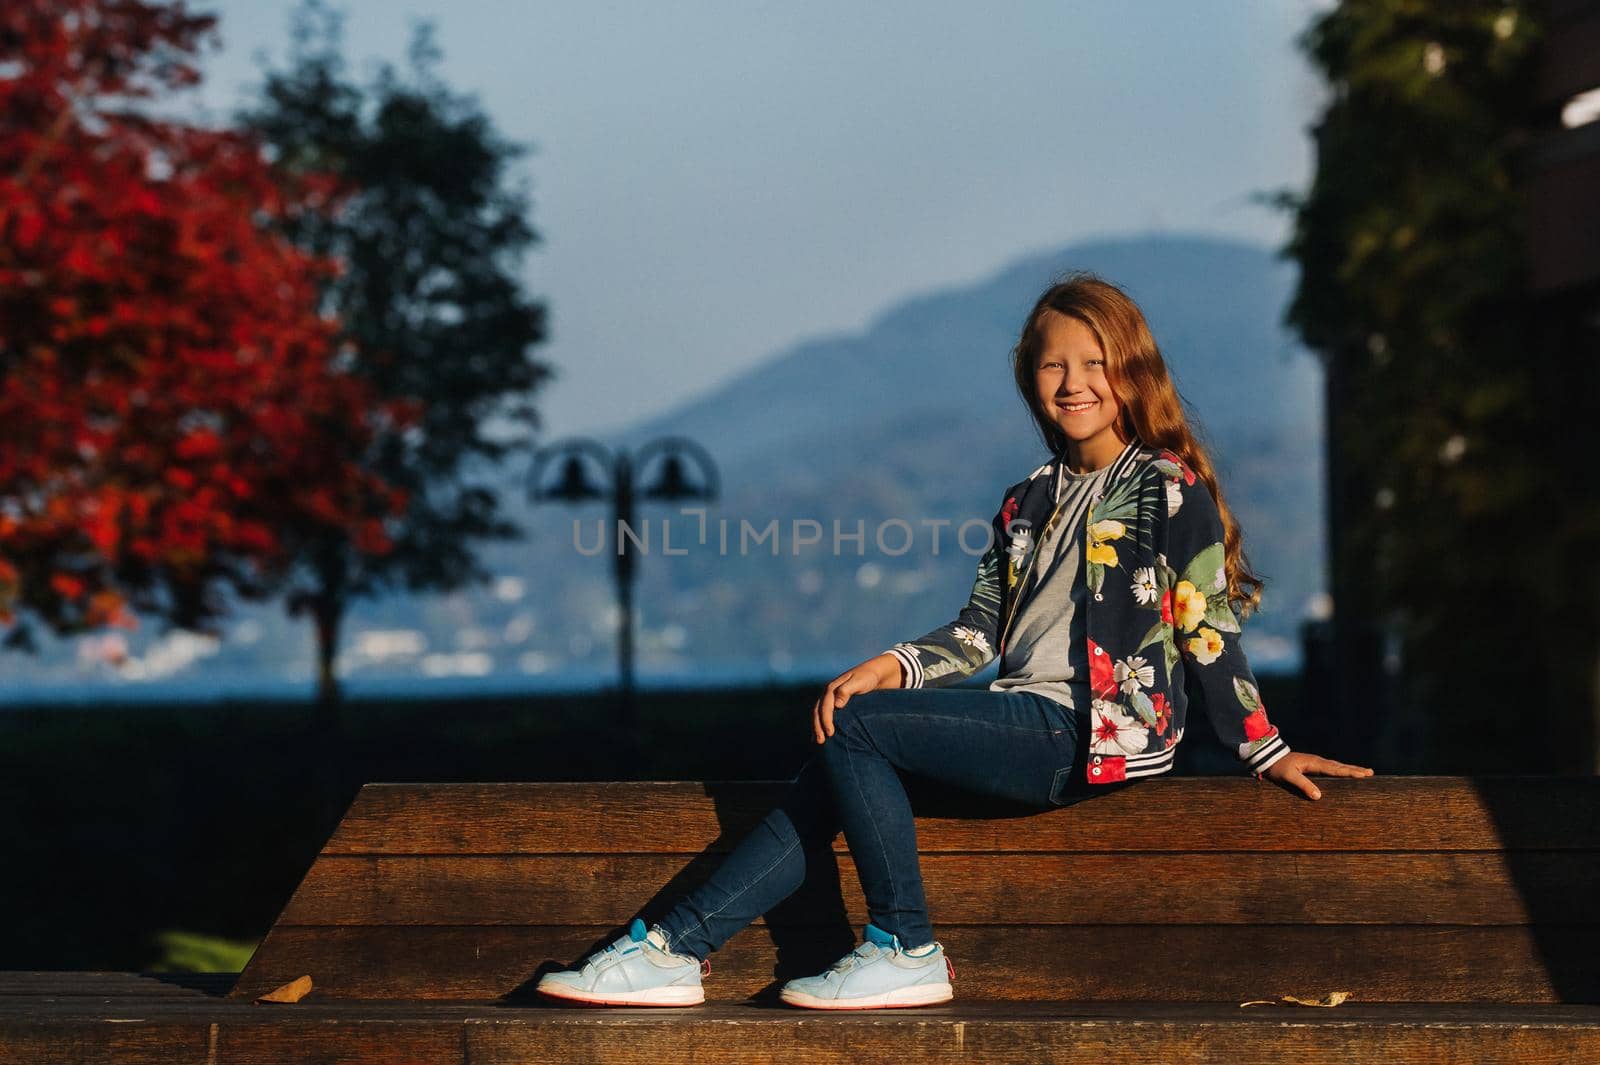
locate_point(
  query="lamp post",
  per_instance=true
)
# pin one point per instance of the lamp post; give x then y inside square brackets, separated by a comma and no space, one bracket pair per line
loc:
[575,486]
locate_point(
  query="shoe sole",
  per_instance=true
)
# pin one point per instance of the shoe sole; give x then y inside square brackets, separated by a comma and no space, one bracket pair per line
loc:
[917,995]
[659,996]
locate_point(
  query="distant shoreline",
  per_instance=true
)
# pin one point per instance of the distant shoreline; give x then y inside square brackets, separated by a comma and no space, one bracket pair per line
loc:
[296,693]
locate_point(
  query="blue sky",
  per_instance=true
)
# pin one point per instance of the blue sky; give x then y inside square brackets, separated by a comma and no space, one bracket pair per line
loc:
[714,181]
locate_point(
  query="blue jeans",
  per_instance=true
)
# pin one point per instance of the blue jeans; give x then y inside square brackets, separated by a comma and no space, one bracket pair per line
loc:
[1011,745]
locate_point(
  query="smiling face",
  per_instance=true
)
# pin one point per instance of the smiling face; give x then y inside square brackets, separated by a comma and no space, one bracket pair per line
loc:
[1073,391]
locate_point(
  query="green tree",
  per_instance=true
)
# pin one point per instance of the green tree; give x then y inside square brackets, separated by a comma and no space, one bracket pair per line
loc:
[1446,526]
[432,233]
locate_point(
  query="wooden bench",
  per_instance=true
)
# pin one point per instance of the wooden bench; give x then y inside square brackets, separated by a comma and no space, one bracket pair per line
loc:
[1434,890]
[1457,913]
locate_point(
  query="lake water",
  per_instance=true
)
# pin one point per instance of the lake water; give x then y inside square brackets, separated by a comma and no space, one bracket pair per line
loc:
[113,695]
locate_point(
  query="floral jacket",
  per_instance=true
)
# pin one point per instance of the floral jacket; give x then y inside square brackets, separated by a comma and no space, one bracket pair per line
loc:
[1159,611]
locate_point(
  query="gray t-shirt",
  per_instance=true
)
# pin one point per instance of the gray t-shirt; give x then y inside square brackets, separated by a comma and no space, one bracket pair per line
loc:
[1047,650]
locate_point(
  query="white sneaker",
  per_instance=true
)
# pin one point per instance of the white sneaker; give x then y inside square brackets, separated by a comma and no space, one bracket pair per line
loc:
[878,974]
[636,970]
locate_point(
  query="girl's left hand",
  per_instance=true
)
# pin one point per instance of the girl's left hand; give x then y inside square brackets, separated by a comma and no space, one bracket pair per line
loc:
[1293,767]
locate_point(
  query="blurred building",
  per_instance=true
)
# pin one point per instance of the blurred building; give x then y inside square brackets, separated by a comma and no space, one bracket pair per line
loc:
[1352,706]
[1561,177]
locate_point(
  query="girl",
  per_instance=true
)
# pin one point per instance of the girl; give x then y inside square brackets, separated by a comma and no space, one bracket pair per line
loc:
[1133,585]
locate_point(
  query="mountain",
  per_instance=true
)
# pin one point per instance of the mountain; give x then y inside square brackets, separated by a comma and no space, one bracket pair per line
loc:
[917,417]
[1213,306]
[914,419]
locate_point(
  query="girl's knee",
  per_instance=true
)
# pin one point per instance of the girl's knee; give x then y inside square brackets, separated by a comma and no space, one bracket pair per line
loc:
[866,704]
[851,719]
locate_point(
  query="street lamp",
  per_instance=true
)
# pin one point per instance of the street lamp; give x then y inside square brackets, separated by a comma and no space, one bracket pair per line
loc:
[575,486]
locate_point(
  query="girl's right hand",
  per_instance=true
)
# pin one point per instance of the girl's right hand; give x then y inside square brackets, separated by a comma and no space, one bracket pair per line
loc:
[880,671]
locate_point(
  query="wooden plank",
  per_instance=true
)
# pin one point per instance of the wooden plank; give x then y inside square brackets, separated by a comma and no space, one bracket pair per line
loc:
[289,1040]
[1378,813]
[927,1035]
[1405,1034]
[232,1011]
[1098,889]
[92,1041]
[264,1037]
[1122,962]
[160,986]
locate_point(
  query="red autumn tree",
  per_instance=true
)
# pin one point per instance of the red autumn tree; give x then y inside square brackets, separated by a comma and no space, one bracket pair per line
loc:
[172,418]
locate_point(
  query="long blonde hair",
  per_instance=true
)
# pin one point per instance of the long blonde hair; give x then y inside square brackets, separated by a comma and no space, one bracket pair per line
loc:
[1150,407]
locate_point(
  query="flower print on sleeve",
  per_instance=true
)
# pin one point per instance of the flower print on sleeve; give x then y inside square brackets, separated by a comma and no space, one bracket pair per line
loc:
[1205,646]
[1188,606]
[1174,497]
[973,638]
[961,647]
[1205,625]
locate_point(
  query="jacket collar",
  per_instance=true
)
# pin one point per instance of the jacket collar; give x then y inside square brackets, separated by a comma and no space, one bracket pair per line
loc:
[1121,466]
[1036,497]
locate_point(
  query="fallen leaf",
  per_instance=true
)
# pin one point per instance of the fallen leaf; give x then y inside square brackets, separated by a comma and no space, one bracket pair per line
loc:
[293,991]
[1333,999]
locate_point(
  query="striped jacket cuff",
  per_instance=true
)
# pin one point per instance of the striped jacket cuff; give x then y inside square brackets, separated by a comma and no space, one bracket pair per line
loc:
[1259,759]
[910,665]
